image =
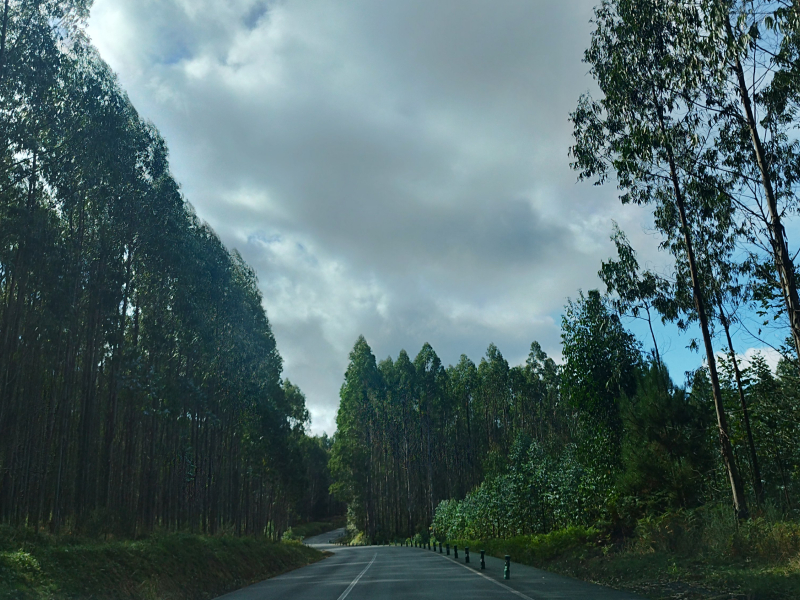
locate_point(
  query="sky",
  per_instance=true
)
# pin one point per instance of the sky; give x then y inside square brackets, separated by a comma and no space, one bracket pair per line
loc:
[397,170]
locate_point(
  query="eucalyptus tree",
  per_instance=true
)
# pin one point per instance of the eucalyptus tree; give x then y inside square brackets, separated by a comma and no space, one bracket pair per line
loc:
[139,378]
[749,63]
[544,381]
[600,363]
[495,400]
[402,389]
[431,384]
[636,293]
[647,133]
[352,453]
[463,382]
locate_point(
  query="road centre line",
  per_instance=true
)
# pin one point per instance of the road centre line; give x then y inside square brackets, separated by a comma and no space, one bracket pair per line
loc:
[502,585]
[355,581]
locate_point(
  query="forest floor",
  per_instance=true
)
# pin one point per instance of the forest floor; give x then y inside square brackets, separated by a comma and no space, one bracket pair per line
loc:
[660,573]
[163,567]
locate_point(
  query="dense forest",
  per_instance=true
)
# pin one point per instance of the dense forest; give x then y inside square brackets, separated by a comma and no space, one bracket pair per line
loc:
[140,383]
[696,119]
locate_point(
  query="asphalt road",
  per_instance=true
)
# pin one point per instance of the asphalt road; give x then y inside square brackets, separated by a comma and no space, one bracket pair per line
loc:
[389,572]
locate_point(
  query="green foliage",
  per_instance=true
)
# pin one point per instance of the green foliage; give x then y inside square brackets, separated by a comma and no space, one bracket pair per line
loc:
[140,382]
[541,491]
[304,530]
[600,360]
[666,449]
[178,566]
[539,550]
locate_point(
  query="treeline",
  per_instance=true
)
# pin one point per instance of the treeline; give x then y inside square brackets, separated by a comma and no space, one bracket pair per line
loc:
[140,383]
[606,438]
[696,118]
[412,433]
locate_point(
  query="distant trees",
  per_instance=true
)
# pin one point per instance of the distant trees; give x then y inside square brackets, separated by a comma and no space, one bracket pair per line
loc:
[140,383]
[411,434]
[600,360]
[603,439]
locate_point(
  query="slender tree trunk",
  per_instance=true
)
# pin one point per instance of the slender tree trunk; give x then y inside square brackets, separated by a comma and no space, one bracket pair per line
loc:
[653,335]
[3,36]
[758,485]
[780,249]
[737,489]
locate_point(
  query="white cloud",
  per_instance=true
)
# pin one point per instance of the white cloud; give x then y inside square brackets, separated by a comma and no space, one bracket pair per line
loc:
[770,355]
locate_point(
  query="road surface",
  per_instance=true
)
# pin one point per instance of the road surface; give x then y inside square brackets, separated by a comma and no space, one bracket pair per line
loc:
[392,572]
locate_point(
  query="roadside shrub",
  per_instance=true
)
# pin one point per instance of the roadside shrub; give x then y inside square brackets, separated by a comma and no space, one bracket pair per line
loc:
[541,548]
[540,492]
[675,531]
[713,532]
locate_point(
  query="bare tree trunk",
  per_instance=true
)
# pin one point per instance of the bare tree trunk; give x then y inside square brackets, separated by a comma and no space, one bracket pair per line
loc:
[758,485]
[737,489]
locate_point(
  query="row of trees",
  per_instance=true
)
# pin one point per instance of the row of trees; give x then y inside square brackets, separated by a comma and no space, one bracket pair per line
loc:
[140,383]
[412,433]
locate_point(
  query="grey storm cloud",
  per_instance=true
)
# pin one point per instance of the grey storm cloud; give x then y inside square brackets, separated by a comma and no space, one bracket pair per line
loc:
[392,169]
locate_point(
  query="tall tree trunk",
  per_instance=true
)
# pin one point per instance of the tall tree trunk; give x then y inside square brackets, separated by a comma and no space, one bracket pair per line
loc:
[758,485]
[780,249]
[3,36]
[737,489]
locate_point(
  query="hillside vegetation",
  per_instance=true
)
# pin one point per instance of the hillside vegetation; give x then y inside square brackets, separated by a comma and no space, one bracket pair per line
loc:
[167,567]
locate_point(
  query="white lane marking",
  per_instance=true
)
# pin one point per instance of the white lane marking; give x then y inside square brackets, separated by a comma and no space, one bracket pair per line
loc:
[355,581]
[502,585]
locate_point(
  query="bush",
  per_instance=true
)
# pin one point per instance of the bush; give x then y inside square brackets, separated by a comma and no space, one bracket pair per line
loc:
[542,548]
[540,492]
[713,532]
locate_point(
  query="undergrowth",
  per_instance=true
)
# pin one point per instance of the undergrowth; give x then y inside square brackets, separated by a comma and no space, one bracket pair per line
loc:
[700,554]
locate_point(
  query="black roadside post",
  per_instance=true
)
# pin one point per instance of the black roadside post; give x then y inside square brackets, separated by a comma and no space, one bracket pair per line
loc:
[483,562]
[455,549]
[507,570]
[440,547]
[448,549]
[466,554]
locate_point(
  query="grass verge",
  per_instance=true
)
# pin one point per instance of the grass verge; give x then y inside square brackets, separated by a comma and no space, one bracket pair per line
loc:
[164,567]
[671,559]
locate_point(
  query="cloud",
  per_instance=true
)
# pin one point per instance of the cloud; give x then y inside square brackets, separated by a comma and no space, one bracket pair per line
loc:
[397,169]
[771,356]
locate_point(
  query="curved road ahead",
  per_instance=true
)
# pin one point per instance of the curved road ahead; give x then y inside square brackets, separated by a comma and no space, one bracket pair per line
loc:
[392,572]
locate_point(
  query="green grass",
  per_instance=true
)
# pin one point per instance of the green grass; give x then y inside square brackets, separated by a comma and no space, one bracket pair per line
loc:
[164,567]
[685,555]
